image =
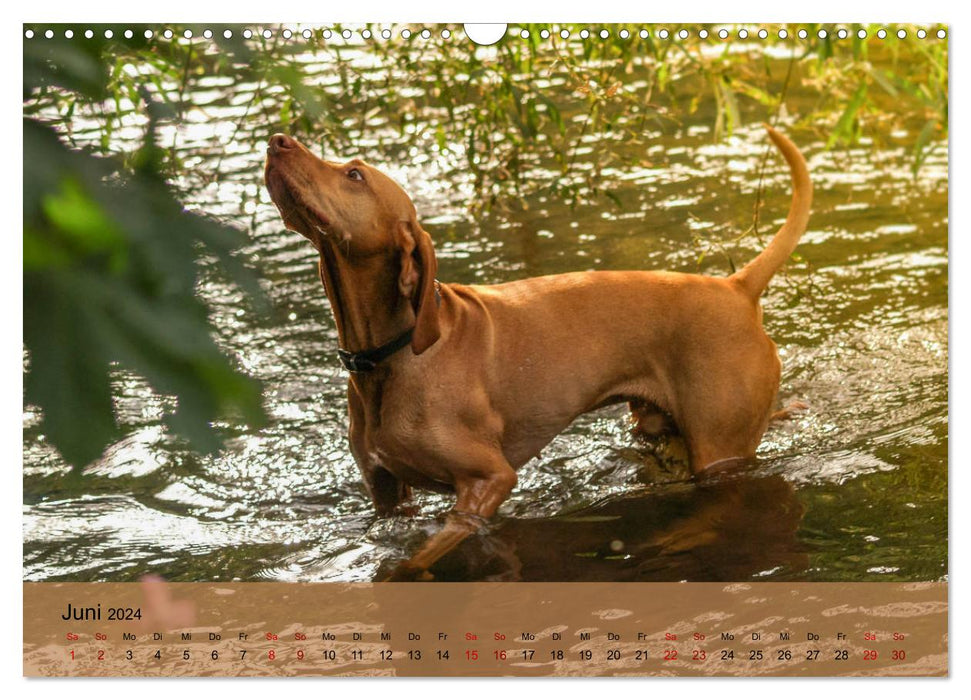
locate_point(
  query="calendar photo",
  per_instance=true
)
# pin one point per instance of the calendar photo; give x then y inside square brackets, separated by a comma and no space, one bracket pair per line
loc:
[614,349]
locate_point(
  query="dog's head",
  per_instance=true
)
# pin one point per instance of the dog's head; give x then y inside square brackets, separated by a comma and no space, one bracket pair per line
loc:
[360,213]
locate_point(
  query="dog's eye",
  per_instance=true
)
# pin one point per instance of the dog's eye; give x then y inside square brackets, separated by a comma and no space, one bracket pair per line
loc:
[355,174]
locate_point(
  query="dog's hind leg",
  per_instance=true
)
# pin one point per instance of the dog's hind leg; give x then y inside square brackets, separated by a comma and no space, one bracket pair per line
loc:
[725,411]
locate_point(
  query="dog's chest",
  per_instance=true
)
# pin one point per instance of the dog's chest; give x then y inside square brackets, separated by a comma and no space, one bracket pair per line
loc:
[416,474]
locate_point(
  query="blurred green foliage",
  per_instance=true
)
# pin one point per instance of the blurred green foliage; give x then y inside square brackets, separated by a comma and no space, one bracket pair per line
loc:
[112,260]
[531,100]
[111,265]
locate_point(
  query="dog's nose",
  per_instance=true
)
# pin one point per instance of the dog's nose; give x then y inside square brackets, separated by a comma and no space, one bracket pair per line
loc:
[280,142]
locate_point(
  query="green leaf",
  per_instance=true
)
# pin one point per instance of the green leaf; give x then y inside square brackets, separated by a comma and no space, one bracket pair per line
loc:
[69,368]
[82,221]
[844,129]
[922,145]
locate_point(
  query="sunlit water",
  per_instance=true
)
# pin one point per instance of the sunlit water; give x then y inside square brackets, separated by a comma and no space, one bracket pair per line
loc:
[854,488]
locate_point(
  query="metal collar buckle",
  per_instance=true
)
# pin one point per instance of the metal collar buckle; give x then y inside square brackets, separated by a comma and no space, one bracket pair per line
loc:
[354,363]
[367,360]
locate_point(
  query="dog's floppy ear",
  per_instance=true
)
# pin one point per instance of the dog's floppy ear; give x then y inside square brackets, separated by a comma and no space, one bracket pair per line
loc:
[417,283]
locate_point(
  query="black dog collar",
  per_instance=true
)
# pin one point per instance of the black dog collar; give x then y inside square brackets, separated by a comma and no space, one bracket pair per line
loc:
[367,360]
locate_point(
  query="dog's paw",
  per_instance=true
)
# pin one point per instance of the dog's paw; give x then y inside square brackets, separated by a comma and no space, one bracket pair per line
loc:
[408,510]
[789,412]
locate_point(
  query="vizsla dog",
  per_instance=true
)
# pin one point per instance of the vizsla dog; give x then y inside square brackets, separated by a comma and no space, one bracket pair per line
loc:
[454,387]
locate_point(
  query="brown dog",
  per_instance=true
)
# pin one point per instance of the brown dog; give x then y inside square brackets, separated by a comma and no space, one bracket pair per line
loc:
[494,373]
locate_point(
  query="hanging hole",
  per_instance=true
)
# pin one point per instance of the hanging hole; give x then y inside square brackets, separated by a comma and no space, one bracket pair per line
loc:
[485,34]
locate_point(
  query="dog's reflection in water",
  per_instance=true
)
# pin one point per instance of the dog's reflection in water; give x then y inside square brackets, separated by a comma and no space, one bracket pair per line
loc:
[725,528]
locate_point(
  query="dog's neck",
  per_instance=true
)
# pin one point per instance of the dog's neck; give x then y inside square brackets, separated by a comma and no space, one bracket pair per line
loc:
[368,308]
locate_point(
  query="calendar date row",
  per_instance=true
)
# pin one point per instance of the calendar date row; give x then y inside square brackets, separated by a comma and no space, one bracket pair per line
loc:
[472,655]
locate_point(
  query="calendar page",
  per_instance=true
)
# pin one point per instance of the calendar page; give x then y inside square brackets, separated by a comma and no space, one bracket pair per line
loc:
[485,350]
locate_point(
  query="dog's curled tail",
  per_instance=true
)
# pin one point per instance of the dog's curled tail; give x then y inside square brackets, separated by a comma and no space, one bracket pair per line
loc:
[755,276]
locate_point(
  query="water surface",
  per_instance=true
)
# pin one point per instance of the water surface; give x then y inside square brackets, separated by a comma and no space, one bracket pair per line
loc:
[855,488]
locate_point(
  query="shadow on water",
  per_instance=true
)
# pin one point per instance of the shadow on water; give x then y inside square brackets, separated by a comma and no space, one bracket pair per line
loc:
[728,528]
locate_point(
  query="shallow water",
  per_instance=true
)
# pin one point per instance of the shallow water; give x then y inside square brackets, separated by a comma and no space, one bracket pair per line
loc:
[855,488]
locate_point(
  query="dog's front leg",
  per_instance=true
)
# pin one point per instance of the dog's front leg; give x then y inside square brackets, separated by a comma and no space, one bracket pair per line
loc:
[387,492]
[479,492]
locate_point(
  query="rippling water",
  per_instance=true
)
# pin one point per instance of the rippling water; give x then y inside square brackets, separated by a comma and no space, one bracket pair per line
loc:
[853,488]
